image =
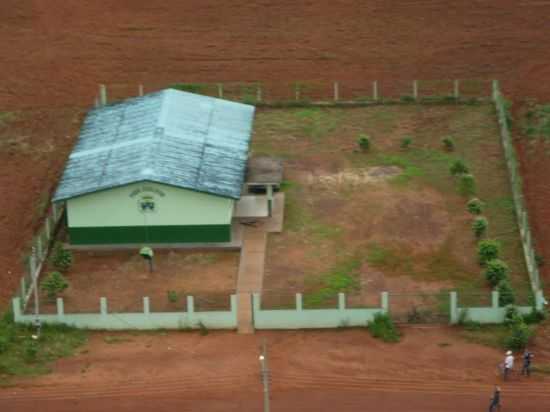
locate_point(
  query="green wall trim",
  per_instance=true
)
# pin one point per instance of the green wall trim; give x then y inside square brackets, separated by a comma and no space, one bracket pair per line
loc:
[150,234]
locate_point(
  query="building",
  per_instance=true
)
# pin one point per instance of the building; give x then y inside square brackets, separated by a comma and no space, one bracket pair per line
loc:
[167,167]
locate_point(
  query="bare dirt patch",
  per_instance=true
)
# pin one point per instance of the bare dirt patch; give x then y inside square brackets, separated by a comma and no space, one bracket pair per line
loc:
[123,278]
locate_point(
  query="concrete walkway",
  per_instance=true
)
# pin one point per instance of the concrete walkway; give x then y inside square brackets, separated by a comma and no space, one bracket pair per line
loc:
[252,262]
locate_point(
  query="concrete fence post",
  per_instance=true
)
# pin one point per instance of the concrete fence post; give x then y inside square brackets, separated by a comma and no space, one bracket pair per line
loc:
[453,308]
[415,89]
[140,90]
[32,264]
[47,227]
[190,305]
[299,302]
[296,92]
[103,306]
[336,91]
[539,300]
[220,90]
[39,247]
[102,95]
[54,213]
[384,302]
[60,307]
[233,305]
[16,308]
[259,92]
[146,305]
[495,89]
[375,90]
[341,301]
[456,88]
[494,299]
[23,289]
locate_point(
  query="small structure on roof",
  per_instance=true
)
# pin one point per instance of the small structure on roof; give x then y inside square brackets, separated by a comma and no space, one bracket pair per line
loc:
[167,167]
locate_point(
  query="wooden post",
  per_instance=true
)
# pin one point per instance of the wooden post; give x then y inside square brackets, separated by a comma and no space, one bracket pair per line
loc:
[259,92]
[415,89]
[375,90]
[456,88]
[220,90]
[336,91]
[102,95]
[140,89]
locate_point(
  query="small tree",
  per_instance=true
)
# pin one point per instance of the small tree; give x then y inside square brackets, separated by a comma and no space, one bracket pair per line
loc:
[496,271]
[61,259]
[364,142]
[506,294]
[448,143]
[406,142]
[479,227]
[467,184]
[475,206]
[488,249]
[520,333]
[458,167]
[54,284]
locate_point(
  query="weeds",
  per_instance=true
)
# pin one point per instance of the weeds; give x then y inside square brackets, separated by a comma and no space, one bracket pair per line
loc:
[382,327]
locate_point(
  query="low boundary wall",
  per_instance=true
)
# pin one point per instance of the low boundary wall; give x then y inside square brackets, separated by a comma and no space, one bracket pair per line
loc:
[189,319]
[300,318]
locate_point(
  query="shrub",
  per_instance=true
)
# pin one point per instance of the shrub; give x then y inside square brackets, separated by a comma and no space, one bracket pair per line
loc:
[54,284]
[487,249]
[4,343]
[448,143]
[406,142]
[172,296]
[203,330]
[30,350]
[458,167]
[539,260]
[506,293]
[520,333]
[475,206]
[364,142]
[62,259]
[511,316]
[535,316]
[496,271]
[479,227]
[467,185]
[382,327]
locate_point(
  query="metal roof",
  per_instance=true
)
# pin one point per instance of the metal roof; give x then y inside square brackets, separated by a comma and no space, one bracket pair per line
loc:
[173,137]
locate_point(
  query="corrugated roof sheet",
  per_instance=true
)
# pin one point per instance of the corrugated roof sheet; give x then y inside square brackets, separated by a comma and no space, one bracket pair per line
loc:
[177,138]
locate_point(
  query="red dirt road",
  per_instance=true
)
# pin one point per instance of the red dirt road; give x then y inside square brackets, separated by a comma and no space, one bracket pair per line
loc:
[432,369]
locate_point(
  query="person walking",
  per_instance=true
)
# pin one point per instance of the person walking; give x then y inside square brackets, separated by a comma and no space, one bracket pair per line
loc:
[508,364]
[526,369]
[495,400]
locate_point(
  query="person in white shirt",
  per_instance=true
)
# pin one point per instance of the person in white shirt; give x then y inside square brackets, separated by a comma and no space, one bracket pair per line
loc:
[508,364]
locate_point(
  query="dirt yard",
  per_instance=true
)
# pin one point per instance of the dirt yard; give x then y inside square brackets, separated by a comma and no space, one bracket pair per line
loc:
[347,370]
[123,277]
[390,218]
[131,43]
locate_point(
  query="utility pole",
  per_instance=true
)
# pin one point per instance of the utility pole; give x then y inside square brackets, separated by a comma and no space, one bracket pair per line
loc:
[264,371]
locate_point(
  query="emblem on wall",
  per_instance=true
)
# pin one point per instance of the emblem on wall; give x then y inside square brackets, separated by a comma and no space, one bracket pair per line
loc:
[146,204]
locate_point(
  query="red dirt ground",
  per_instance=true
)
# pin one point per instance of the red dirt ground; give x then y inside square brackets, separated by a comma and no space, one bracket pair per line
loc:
[430,370]
[54,53]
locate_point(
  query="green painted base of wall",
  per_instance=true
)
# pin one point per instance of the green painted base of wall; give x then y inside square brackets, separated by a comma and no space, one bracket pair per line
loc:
[149,234]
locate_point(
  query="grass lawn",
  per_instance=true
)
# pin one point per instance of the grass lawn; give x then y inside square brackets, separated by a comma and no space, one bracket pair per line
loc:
[390,218]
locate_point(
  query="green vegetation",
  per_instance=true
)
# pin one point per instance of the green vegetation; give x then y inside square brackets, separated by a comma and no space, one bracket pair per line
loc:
[341,278]
[487,250]
[406,142]
[448,143]
[466,185]
[519,334]
[21,355]
[475,206]
[479,226]
[113,339]
[54,284]
[363,142]
[537,123]
[61,258]
[315,124]
[6,117]
[384,258]
[382,327]
[506,293]
[458,167]
[172,296]
[197,88]
[495,271]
